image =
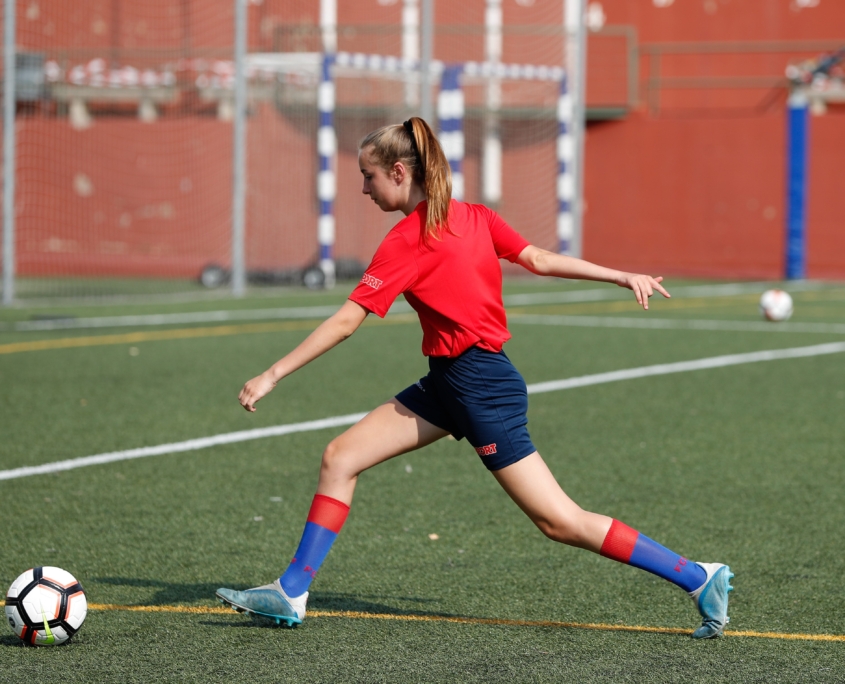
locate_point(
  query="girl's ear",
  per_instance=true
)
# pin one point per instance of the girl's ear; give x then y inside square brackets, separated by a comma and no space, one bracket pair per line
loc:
[398,172]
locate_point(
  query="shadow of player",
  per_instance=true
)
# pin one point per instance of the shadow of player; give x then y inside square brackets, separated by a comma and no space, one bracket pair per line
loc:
[343,603]
[167,593]
[182,593]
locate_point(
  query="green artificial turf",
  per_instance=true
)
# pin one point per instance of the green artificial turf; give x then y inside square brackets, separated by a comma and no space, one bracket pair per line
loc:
[742,465]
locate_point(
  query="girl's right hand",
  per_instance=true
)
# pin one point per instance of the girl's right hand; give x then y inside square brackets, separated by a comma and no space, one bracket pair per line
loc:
[643,286]
[256,389]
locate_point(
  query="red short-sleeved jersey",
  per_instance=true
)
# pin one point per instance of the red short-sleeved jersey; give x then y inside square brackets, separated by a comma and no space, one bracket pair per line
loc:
[454,283]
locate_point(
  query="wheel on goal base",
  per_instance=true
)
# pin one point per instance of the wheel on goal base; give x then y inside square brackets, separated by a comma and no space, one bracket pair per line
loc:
[314,278]
[214,276]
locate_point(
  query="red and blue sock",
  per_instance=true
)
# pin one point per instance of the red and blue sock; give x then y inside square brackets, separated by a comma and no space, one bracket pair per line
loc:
[626,545]
[325,519]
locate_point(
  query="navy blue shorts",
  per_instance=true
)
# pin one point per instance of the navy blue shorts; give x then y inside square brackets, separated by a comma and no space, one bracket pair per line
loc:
[478,395]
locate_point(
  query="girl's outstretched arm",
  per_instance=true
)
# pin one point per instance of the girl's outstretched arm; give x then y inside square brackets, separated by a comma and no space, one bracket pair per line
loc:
[542,262]
[330,333]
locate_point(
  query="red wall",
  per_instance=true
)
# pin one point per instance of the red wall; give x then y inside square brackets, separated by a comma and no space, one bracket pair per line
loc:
[727,20]
[694,184]
[122,197]
[695,197]
[706,198]
[826,212]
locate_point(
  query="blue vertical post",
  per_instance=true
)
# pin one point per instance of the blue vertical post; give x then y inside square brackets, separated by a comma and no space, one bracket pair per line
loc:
[450,112]
[565,170]
[796,185]
[326,181]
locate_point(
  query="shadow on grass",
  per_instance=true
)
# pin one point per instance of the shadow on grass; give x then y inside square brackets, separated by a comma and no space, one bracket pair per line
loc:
[11,641]
[364,604]
[169,593]
[341,603]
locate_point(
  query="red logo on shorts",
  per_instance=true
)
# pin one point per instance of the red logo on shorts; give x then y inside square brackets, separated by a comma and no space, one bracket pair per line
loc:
[374,283]
[486,450]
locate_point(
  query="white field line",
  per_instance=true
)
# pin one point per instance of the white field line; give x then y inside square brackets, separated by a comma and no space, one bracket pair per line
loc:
[175,447]
[536,388]
[684,366]
[560,297]
[610,293]
[649,323]
[177,318]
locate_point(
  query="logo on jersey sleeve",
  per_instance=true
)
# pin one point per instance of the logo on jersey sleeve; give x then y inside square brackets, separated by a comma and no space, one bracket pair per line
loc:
[488,450]
[374,283]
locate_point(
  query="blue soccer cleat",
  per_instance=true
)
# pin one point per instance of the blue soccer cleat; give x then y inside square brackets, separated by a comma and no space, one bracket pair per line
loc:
[711,599]
[269,601]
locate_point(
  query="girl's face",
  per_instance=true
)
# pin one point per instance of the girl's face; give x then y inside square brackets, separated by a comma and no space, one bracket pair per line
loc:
[388,189]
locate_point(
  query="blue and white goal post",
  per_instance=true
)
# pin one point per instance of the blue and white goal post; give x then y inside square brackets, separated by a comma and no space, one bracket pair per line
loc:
[451,114]
[326,173]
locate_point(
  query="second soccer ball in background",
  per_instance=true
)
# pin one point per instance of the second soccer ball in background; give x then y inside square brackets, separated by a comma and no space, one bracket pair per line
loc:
[776,305]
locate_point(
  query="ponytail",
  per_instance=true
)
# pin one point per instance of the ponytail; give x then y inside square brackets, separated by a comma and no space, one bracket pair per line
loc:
[415,145]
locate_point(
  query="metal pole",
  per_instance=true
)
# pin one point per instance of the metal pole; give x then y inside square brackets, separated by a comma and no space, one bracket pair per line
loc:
[328,25]
[491,168]
[9,103]
[411,46]
[427,55]
[576,71]
[239,154]
[115,34]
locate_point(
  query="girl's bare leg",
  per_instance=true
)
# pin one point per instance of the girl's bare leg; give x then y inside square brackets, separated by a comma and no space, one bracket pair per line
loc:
[531,485]
[388,431]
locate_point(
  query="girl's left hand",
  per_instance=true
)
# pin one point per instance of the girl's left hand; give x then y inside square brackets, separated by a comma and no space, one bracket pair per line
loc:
[643,286]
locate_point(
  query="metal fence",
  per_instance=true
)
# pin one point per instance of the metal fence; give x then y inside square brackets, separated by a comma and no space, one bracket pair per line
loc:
[150,142]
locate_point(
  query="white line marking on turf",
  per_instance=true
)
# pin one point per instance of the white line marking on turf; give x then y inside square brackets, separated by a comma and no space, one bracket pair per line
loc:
[609,293]
[683,366]
[177,318]
[337,421]
[559,297]
[175,447]
[649,323]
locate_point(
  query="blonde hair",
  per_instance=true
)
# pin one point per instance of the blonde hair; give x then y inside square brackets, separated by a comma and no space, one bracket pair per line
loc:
[415,145]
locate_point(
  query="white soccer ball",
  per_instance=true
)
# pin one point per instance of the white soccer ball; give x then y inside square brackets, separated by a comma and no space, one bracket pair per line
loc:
[46,606]
[776,305]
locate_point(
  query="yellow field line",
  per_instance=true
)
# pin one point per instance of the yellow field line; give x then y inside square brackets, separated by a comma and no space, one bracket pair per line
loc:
[226,330]
[178,334]
[252,328]
[357,615]
[823,295]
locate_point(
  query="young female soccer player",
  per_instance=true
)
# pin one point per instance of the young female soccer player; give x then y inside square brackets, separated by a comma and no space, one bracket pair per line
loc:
[443,256]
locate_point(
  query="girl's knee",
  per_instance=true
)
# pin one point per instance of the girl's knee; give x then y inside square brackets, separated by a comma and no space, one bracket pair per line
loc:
[337,460]
[564,529]
[556,531]
[331,455]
